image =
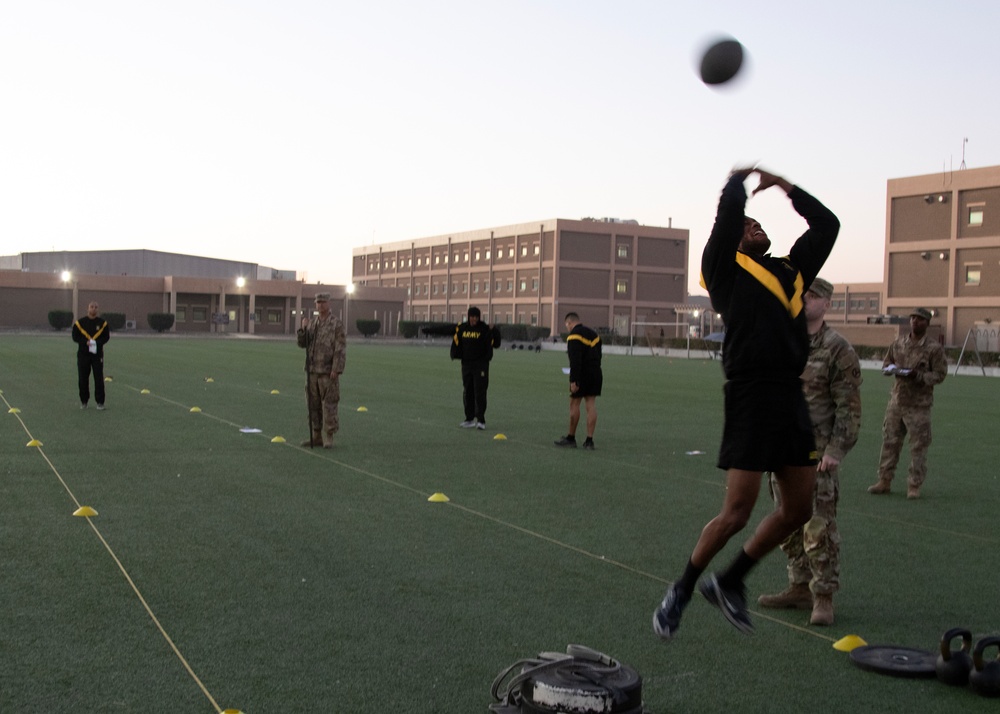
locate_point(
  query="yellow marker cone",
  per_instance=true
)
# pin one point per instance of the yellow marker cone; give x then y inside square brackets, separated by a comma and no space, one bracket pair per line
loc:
[195,409]
[499,437]
[231,711]
[278,440]
[13,410]
[144,391]
[108,379]
[209,379]
[34,442]
[362,409]
[846,644]
[439,498]
[85,511]
[275,391]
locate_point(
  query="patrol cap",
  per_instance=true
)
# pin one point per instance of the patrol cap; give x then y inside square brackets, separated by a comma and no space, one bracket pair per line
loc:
[821,287]
[474,312]
[921,312]
[322,297]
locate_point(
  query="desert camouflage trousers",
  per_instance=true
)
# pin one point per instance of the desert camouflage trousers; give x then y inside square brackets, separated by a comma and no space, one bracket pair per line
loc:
[900,422]
[814,550]
[323,397]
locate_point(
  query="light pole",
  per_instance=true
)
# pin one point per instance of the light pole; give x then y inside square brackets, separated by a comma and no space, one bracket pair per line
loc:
[66,278]
[240,284]
[348,291]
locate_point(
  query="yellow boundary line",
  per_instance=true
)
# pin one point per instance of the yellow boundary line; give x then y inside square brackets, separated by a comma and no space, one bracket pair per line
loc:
[118,562]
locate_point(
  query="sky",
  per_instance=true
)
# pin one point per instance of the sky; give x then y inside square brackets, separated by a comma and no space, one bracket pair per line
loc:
[288,132]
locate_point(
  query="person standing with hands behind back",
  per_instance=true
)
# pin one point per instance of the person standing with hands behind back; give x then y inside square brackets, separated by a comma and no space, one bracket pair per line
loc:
[585,379]
[325,343]
[91,333]
[767,425]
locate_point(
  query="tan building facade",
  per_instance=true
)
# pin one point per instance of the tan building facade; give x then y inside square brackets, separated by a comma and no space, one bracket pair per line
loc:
[942,251]
[613,273]
[234,300]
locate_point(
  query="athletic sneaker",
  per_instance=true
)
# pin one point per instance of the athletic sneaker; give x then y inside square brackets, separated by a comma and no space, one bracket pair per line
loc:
[588,444]
[481,425]
[667,617]
[567,440]
[732,602]
[468,424]
[83,405]
[100,407]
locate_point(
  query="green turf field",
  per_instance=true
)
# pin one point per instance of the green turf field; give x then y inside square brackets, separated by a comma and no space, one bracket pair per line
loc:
[283,579]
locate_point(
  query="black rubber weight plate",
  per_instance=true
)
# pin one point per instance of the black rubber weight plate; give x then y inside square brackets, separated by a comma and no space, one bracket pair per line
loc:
[895,661]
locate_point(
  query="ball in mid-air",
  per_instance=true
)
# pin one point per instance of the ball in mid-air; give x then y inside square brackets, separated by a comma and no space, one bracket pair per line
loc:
[721,61]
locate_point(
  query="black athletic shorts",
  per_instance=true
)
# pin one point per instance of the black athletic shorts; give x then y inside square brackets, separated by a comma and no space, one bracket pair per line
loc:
[590,385]
[767,426]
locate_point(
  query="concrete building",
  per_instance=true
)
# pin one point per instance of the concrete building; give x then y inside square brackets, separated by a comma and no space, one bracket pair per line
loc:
[942,251]
[204,294]
[613,273]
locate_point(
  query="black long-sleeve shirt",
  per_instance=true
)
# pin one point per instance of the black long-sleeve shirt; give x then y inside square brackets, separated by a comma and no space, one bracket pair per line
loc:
[760,297]
[87,328]
[474,343]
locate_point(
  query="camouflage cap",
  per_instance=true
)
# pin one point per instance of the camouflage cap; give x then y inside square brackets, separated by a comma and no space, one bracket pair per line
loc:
[322,297]
[921,312]
[821,287]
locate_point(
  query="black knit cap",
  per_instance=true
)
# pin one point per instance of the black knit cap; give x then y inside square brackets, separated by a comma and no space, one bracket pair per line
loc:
[474,312]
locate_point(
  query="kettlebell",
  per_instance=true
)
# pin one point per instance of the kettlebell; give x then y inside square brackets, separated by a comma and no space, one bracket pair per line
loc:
[953,666]
[985,676]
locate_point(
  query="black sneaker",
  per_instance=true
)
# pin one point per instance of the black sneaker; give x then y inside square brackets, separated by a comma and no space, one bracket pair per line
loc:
[732,602]
[588,444]
[667,617]
[567,440]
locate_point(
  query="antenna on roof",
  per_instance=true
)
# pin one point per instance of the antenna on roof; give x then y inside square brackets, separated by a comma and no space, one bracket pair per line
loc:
[962,165]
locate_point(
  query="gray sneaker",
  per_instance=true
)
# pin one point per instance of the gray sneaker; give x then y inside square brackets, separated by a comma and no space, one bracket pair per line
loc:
[481,425]
[731,601]
[100,407]
[468,424]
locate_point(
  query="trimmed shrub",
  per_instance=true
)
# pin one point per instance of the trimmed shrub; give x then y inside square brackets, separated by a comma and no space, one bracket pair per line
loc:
[60,319]
[409,329]
[438,329]
[116,320]
[160,321]
[368,327]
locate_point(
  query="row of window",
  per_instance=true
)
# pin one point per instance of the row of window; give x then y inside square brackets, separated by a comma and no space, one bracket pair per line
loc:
[433,290]
[274,316]
[856,304]
[462,257]
[460,316]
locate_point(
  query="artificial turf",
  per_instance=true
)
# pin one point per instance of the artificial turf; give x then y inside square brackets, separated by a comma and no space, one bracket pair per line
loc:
[295,580]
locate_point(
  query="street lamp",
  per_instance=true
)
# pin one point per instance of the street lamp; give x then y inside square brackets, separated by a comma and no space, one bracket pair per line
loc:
[240,284]
[66,277]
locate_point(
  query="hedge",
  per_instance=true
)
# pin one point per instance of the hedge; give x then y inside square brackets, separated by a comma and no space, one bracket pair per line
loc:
[160,321]
[368,327]
[60,319]
[116,320]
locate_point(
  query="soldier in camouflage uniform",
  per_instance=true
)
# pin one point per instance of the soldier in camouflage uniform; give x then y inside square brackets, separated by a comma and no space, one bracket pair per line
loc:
[325,344]
[917,364]
[831,382]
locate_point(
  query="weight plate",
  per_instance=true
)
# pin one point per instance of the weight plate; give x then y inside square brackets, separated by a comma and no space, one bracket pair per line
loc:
[895,661]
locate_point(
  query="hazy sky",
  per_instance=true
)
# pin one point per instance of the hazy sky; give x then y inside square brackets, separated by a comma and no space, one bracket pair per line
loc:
[288,132]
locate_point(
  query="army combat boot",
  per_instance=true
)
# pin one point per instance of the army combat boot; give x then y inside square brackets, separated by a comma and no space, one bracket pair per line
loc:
[822,613]
[794,597]
[882,486]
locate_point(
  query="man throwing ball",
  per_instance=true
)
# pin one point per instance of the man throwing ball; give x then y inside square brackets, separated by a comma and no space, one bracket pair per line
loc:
[767,424]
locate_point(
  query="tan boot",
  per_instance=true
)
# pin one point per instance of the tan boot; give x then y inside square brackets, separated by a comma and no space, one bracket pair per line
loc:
[881,487]
[822,613]
[794,597]
[913,492]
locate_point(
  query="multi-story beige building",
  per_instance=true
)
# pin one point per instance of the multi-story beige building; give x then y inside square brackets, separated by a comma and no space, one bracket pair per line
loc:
[613,273]
[942,251]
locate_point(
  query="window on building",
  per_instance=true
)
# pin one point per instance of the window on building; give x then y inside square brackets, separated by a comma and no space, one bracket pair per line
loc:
[446,258]
[477,255]
[456,257]
[199,314]
[523,284]
[623,250]
[486,286]
[510,253]
[180,313]
[258,315]
[524,250]
[973,273]
[496,318]
[975,216]
[534,284]
[873,303]
[437,260]
[475,286]
[454,287]
[435,288]
[274,317]
[487,255]
[621,286]
[465,288]
[520,318]
[499,285]
[510,285]
[534,249]
[534,318]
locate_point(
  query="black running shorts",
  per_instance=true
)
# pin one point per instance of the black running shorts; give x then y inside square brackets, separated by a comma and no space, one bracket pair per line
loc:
[767,426]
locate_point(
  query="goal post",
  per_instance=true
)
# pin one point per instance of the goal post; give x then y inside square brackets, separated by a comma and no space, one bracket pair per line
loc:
[661,325]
